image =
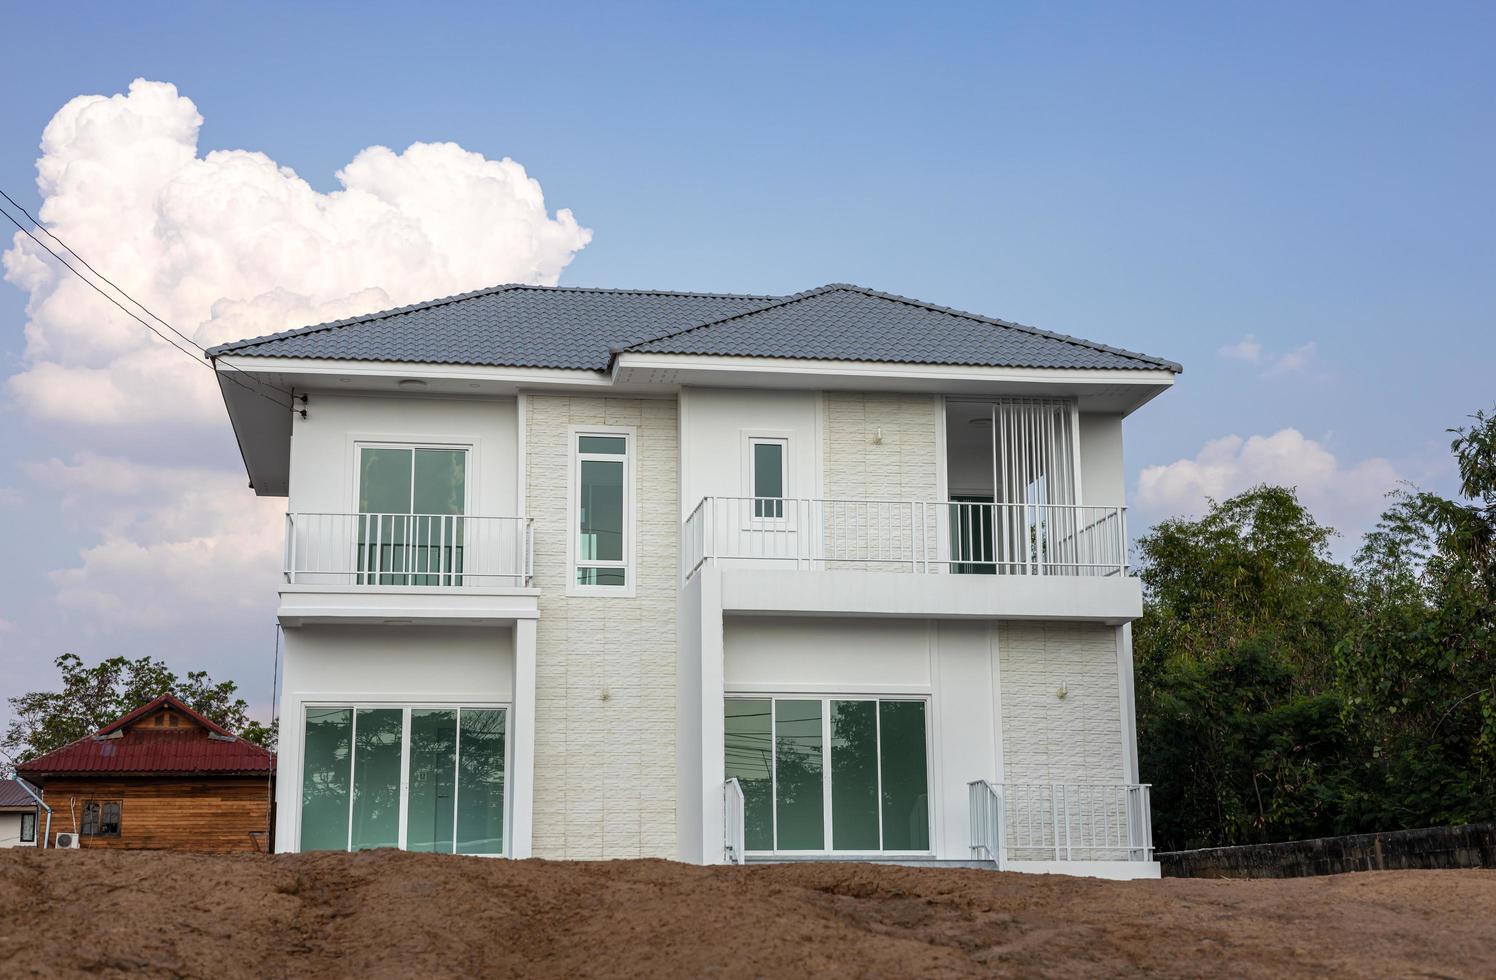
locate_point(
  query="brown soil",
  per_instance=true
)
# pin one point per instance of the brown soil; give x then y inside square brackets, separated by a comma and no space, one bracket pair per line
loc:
[389,914]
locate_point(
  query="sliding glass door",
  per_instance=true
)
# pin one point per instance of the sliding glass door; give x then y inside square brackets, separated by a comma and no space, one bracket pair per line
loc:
[833,774]
[411,503]
[441,769]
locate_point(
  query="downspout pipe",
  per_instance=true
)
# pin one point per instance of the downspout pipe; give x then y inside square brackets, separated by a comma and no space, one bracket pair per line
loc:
[46,834]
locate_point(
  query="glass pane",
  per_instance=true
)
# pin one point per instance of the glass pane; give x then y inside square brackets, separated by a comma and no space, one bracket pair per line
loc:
[433,777]
[854,775]
[906,782]
[440,481]
[611,445]
[326,744]
[797,761]
[601,511]
[749,760]
[384,481]
[480,778]
[600,576]
[376,777]
[768,479]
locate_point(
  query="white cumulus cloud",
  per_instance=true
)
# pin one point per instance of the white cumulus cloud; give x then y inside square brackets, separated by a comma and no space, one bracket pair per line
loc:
[229,243]
[173,543]
[1346,496]
[222,244]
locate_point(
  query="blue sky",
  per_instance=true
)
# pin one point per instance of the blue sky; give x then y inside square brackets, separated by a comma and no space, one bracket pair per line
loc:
[1174,179]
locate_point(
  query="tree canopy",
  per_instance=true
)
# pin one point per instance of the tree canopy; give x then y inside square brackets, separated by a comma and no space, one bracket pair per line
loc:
[92,697]
[1282,695]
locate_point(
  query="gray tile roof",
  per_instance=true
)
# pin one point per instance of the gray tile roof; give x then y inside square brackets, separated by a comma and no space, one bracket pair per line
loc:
[562,327]
[841,322]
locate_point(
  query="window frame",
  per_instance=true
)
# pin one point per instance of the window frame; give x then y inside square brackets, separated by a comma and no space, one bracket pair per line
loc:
[826,698]
[98,820]
[469,449]
[630,510]
[752,440]
[459,705]
[31,838]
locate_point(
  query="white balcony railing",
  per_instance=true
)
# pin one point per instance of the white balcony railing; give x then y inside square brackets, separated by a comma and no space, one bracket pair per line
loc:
[733,813]
[909,536]
[1060,821]
[408,550]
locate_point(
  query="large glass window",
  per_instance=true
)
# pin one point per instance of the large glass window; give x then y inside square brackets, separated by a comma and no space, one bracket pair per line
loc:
[601,513]
[868,753]
[442,767]
[411,503]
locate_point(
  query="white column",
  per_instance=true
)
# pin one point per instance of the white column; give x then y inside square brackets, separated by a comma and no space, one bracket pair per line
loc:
[1129,705]
[713,733]
[522,779]
[288,745]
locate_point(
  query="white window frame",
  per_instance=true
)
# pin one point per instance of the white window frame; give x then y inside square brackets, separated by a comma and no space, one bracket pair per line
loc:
[469,476]
[630,517]
[752,439]
[406,707]
[826,697]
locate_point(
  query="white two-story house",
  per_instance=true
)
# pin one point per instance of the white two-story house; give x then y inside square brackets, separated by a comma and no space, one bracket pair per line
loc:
[588,573]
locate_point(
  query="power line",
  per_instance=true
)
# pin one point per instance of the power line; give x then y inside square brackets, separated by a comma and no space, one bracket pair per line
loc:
[132,315]
[50,234]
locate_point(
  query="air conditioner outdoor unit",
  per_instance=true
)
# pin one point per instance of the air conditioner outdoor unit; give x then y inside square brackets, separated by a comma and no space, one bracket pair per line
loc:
[65,839]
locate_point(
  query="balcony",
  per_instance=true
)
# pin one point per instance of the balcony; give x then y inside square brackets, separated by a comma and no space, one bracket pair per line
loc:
[1060,826]
[397,568]
[915,537]
[944,559]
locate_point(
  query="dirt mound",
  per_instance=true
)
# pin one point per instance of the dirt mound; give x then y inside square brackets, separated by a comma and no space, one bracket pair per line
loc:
[390,914]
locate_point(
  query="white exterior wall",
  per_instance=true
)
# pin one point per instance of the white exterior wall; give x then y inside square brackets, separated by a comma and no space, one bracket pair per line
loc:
[1102,479]
[10,830]
[324,463]
[605,759]
[385,664]
[716,424]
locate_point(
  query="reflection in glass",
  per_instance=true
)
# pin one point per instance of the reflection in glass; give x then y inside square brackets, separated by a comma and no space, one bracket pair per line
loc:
[480,782]
[749,751]
[433,779]
[326,750]
[797,760]
[854,775]
[376,778]
[906,803]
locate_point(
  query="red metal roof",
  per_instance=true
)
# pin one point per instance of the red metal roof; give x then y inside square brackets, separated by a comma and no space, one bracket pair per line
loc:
[114,749]
[11,794]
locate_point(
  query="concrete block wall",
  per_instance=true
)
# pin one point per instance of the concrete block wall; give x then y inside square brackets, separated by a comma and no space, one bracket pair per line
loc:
[1047,738]
[878,446]
[605,667]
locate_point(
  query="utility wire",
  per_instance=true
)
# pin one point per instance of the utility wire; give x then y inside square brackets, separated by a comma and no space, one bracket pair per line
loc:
[132,315]
[69,249]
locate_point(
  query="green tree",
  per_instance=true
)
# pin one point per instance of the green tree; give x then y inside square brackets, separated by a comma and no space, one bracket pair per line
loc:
[91,697]
[1239,728]
[1418,668]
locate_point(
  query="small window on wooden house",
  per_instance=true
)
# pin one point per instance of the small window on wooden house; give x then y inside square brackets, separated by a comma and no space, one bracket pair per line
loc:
[101,818]
[28,828]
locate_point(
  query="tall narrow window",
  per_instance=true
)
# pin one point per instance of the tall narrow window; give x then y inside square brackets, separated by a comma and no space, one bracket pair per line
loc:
[28,828]
[769,459]
[602,508]
[411,503]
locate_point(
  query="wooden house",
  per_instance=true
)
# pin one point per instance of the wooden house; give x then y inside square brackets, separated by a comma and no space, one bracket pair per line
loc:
[161,777]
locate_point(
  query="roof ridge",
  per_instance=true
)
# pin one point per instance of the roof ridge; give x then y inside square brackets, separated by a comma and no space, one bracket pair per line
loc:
[780,301]
[235,345]
[920,304]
